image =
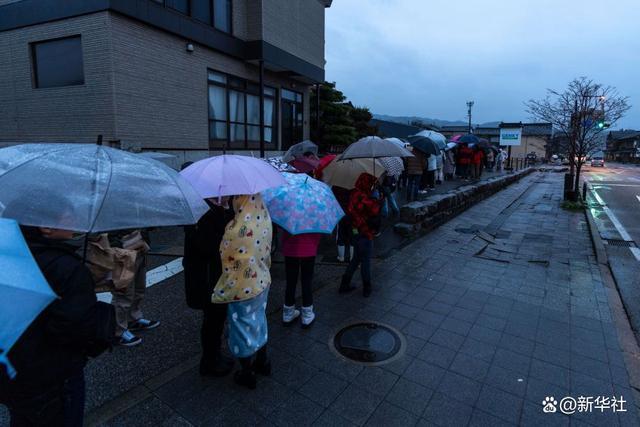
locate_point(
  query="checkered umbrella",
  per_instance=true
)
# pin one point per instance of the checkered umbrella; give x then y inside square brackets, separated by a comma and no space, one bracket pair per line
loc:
[393,165]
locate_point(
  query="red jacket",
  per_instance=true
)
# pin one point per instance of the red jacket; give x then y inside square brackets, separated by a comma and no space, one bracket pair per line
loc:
[465,155]
[477,157]
[362,207]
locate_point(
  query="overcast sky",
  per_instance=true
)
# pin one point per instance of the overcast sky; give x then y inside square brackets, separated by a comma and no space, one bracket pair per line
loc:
[428,57]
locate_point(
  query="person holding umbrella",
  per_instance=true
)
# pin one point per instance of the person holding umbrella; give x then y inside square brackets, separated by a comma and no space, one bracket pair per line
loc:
[415,168]
[305,209]
[363,210]
[464,157]
[477,160]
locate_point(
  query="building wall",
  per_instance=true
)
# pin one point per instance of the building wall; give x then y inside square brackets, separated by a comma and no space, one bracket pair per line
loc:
[71,113]
[161,89]
[530,144]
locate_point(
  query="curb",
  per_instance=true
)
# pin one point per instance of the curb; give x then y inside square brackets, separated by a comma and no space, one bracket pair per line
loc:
[626,337]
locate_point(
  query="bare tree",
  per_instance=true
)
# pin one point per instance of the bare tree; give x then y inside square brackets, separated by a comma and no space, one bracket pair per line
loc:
[581,113]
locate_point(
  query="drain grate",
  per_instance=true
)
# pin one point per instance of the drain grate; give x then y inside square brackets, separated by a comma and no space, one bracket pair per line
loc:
[369,343]
[620,243]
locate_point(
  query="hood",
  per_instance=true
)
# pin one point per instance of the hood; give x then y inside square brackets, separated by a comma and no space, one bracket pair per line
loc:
[366,182]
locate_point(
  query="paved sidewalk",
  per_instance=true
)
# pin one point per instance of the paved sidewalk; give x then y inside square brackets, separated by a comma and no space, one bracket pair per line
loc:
[493,326]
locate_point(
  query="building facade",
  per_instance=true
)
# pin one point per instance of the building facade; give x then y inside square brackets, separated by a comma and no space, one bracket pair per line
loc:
[189,77]
[623,146]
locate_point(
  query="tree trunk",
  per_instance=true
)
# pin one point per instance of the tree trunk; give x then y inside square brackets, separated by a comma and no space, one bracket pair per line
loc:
[576,187]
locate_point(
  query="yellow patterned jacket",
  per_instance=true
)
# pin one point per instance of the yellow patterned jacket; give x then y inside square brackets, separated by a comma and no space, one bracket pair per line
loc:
[245,252]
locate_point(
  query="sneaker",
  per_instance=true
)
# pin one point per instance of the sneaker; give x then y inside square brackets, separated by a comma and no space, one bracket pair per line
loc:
[143,325]
[127,339]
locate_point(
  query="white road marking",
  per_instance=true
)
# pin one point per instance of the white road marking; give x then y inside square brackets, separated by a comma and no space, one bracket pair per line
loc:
[616,185]
[154,276]
[618,225]
[638,197]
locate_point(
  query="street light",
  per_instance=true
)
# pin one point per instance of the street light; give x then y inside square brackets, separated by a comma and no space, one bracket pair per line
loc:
[469,106]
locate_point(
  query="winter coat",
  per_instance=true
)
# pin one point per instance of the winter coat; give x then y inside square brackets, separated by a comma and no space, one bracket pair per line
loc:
[363,208]
[245,251]
[432,163]
[416,164]
[439,160]
[478,155]
[465,155]
[61,338]
[300,245]
[342,196]
[201,262]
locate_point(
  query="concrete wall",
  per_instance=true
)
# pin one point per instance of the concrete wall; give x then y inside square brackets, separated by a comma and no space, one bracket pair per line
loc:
[71,113]
[161,90]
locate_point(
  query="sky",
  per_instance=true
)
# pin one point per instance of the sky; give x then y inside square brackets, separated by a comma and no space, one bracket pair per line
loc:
[428,58]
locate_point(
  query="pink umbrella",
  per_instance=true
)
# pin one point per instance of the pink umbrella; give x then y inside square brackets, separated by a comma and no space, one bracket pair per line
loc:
[305,164]
[455,138]
[231,175]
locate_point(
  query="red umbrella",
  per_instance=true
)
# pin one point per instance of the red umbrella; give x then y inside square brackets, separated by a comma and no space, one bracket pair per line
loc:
[324,162]
[305,164]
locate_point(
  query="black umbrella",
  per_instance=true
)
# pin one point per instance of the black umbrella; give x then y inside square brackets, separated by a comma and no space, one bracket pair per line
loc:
[469,139]
[424,144]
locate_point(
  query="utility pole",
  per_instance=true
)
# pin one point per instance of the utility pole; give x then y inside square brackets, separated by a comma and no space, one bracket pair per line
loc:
[469,107]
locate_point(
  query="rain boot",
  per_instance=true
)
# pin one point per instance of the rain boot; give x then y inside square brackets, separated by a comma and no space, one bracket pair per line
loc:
[289,314]
[341,253]
[345,285]
[308,316]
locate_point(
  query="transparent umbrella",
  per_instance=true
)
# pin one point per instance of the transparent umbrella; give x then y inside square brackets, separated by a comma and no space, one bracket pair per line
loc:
[298,150]
[91,188]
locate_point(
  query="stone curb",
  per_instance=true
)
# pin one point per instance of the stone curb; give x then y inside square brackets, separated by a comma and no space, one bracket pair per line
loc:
[421,216]
[626,337]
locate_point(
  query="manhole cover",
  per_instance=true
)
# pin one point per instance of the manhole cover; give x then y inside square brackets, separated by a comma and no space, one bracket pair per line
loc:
[370,343]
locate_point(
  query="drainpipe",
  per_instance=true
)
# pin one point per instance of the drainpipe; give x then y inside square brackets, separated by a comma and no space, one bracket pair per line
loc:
[262,109]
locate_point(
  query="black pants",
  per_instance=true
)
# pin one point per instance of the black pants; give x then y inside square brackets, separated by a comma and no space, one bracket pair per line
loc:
[304,266]
[61,405]
[214,316]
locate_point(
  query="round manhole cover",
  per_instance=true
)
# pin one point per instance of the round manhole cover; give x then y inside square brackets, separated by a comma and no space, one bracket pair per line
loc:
[367,342]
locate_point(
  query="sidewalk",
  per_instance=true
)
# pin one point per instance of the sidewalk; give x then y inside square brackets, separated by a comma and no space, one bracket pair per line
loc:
[493,324]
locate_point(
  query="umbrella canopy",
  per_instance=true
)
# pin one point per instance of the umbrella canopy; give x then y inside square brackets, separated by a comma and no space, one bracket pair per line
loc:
[455,138]
[280,165]
[393,165]
[306,164]
[231,175]
[324,162]
[424,144]
[297,150]
[304,205]
[469,139]
[91,188]
[24,292]
[436,137]
[374,147]
[400,143]
[344,173]
[451,145]
[168,159]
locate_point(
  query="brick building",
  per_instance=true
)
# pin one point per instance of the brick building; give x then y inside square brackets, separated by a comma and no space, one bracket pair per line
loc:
[182,76]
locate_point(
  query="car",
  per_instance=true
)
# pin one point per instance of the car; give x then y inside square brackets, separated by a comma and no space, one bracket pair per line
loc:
[597,161]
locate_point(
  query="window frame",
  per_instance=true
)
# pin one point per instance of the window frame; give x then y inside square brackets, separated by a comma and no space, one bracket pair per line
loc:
[34,61]
[246,88]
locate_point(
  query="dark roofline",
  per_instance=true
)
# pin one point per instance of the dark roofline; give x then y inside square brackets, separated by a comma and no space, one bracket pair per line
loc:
[33,12]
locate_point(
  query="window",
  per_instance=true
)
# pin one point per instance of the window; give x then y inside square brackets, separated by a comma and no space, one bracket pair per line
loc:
[57,62]
[181,6]
[201,10]
[234,112]
[222,15]
[292,117]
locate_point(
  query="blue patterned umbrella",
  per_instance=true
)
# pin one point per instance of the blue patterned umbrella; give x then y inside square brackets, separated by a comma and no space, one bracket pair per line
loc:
[304,205]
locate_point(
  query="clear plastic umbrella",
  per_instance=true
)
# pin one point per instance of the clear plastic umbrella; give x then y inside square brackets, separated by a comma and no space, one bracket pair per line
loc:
[298,150]
[91,188]
[374,147]
[24,292]
[168,159]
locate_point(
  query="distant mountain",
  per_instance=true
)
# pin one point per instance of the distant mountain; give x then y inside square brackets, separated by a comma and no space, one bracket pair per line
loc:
[437,122]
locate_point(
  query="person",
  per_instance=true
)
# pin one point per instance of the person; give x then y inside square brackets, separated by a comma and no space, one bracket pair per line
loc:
[299,252]
[128,301]
[463,160]
[49,388]
[388,187]
[363,210]
[500,160]
[439,167]
[202,269]
[415,166]
[476,161]
[490,159]
[343,234]
[449,165]
[244,285]
[432,168]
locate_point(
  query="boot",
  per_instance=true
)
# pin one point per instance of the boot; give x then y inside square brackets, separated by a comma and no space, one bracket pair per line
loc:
[289,314]
[341,253]
[366,289]
[262,364]
[308,316]
[345,285]
[246,376]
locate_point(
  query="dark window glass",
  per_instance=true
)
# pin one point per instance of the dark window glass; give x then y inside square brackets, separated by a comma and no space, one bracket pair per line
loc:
[217,77]
[58,63]
[254,134]
[201,10]
[218,130]
[181,6]
[236,106]
[217,103]
[253,109]
[292,108]
[222,15]
[237,133]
